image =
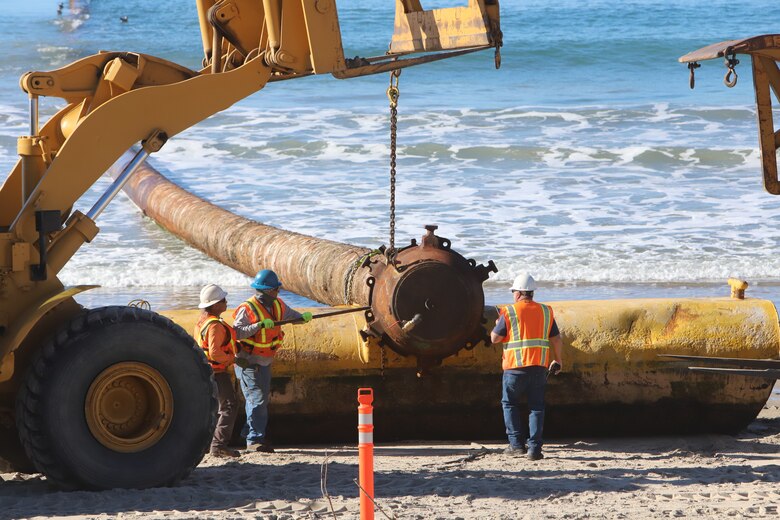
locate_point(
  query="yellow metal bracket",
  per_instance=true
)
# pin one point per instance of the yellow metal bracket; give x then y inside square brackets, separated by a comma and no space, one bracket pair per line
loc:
[16,333]
[444,33]
[418,30]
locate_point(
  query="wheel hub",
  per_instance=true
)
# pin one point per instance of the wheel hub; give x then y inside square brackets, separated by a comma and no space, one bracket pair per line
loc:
[129,407]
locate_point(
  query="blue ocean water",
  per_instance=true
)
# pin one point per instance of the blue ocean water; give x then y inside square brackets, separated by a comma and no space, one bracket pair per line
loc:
[585,159]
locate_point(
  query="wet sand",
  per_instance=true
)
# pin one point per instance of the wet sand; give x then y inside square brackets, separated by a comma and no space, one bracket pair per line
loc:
[712,476]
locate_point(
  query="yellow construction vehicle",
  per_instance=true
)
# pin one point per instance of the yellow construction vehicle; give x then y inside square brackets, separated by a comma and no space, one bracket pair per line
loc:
[121,396]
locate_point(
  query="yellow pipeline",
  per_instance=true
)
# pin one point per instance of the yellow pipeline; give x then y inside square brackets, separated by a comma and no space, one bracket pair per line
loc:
[613,381]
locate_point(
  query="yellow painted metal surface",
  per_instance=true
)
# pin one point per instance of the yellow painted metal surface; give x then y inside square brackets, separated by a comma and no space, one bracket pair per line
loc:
[595,333]
[129,407]
[471,25]
[17,332]
[613,377]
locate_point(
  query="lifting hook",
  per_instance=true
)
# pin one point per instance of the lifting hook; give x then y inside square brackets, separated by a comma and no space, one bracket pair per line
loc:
[731,62]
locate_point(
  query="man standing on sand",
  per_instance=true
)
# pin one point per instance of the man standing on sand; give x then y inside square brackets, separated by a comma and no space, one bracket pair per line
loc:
[528,330]
[218,340]
[259,339]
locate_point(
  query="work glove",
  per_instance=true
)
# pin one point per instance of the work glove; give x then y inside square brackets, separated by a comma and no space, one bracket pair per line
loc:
[555,367]
[268,323]
[242,362]
[306,317]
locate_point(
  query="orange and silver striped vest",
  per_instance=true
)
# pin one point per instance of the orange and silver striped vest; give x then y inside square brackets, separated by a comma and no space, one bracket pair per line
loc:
[228,348]
[265,342]
[528,326]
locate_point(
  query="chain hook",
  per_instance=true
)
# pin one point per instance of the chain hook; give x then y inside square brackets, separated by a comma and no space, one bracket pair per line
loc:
[730,79]
[692,66]
[393,92]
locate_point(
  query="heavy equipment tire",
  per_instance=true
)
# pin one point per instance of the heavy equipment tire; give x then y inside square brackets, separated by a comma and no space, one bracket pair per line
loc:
[12,455]
[121,397]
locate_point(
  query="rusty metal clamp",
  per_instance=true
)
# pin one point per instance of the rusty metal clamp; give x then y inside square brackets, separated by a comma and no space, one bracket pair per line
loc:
[692,66]
[730,79]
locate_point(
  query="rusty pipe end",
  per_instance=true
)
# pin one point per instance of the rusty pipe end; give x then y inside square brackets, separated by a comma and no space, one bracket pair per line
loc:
[429,302]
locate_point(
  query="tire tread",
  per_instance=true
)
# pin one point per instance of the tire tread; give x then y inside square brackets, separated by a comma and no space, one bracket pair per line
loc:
[29,419]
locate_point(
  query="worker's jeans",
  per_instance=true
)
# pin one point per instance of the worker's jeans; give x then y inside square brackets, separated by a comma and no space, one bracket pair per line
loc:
[529,381]
[256,385]
[228,409]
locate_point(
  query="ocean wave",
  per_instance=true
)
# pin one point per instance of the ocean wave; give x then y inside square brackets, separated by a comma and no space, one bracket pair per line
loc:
[57,55]
[148,267]
[182,266]
[603,267]
[641,156]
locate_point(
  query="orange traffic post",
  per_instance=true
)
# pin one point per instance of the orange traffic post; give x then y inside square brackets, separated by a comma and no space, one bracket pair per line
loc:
[366,452]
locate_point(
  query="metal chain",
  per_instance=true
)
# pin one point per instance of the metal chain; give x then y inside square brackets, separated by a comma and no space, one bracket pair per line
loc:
[350,275]
[393,93]
[382,361]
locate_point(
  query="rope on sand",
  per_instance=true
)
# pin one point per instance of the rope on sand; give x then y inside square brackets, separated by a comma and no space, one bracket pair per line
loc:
[324,486]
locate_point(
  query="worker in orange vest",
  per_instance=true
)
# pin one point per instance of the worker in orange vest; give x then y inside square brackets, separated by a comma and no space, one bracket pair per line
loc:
[259,340]
[217,339]
[528,331]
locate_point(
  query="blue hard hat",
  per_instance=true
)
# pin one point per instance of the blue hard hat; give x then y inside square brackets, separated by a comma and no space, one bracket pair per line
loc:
[266,279]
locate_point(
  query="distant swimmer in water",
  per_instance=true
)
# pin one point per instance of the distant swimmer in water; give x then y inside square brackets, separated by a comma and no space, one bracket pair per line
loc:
[123,18]
[59,8]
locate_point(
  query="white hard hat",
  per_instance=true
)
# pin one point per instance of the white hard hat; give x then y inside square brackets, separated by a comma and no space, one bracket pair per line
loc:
[524,282]
[210,295]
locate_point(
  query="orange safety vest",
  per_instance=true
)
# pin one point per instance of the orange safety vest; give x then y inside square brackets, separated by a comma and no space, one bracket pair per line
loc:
[228,348]
[265,342]
[528,326]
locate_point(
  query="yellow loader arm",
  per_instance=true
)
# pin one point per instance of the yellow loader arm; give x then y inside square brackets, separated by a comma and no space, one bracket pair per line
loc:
[764,52]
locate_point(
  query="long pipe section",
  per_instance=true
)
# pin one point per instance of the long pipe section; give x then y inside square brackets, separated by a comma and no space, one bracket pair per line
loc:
[613,383]
[321,270]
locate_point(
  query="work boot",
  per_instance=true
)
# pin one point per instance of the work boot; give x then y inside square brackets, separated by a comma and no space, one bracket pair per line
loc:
[516,450]
[259,446]
[535,455]
[224,453]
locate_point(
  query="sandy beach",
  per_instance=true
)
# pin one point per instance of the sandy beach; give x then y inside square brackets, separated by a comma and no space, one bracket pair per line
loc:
[710,476]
